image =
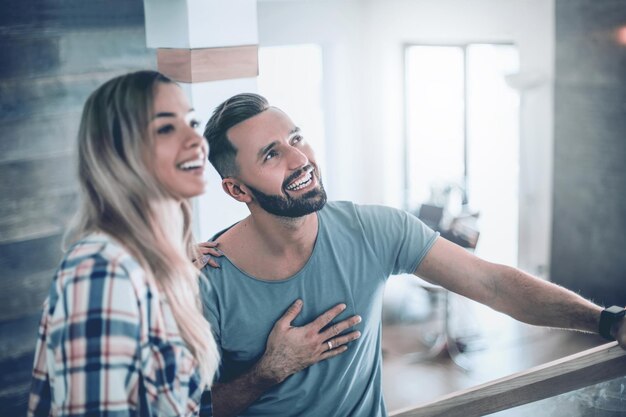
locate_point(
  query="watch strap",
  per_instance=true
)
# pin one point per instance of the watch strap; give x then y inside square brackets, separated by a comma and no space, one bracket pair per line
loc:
[608,318]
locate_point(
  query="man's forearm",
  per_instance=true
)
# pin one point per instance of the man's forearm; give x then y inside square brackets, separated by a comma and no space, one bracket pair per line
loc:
[232,398]
[511,291]
[535,301]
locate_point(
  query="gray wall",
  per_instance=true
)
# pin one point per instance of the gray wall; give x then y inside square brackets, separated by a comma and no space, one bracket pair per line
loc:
[589,228]
[53,53]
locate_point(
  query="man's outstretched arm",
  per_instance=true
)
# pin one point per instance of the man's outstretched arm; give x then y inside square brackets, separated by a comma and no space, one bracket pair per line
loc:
[511,291]
[288,350]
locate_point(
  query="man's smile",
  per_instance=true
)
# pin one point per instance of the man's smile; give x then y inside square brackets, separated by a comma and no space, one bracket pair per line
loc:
[302,181]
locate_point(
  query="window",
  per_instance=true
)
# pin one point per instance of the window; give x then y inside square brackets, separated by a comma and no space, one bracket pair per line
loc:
[463,138]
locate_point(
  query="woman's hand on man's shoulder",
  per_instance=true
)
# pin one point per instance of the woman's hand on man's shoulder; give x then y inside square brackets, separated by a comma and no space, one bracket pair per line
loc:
[207,252]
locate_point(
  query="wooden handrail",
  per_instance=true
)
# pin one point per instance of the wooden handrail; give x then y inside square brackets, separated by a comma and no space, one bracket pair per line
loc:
[572,372]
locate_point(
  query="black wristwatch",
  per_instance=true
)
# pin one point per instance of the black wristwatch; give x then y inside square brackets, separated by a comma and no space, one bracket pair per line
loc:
[608,318]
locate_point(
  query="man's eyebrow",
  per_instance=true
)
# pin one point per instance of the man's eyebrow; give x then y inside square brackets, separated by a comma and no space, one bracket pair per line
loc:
[266,148]
[269,146]
[294,131]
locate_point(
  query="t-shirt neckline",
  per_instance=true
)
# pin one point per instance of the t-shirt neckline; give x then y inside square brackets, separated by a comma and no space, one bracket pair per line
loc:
[296,274]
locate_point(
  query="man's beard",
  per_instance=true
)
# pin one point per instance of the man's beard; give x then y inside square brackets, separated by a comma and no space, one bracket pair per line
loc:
[286,206]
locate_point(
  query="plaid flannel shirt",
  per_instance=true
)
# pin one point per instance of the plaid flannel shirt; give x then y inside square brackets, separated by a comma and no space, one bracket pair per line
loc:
[108,343]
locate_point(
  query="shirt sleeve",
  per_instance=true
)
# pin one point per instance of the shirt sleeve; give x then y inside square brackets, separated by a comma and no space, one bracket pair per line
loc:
[399,239]
[210,303]
[92,340]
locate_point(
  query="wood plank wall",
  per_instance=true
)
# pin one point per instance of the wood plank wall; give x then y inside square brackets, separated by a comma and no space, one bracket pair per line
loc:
[589,227]
[53,53]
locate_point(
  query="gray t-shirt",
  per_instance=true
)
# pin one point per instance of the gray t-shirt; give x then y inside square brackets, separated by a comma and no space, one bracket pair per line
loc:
[356,250]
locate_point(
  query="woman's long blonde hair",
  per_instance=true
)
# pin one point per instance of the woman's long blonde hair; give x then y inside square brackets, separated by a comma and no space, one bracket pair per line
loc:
[121,197]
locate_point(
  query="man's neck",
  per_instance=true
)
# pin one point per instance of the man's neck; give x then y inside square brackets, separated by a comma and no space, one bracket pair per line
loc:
[270,247]
[284,235]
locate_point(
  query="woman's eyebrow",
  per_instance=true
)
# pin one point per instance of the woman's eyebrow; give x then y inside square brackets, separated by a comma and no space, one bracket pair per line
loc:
[170,114]
[164,114]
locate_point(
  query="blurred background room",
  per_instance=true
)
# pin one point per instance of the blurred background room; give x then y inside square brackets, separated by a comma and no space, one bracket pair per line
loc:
[500,123]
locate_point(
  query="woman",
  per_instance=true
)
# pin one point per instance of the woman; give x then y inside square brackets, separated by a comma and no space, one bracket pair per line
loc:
[122,331]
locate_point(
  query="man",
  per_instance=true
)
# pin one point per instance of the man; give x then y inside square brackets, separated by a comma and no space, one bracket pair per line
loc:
[295,246]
